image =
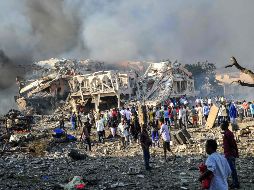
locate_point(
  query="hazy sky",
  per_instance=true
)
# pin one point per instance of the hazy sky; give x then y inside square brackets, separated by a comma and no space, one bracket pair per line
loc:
[119,30]
[115,30]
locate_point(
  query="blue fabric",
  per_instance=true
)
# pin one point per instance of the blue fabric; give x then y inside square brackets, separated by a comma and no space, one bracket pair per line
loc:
[166,114]
[71,138]
[231,162]
[58,131]
[206,110]
[232,111]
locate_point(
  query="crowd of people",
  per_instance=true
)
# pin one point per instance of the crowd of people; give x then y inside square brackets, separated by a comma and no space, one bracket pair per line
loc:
[124,124]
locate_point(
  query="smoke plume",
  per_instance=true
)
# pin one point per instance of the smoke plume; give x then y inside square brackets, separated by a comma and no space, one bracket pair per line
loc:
[119,30]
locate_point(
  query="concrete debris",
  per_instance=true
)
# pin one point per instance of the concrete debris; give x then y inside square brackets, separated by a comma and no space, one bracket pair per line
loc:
[74,85]
[165,79]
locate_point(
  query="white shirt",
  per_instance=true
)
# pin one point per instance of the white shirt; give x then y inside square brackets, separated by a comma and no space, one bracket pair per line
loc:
[209,101]
[157,114]
[128,114]
[123,130]
[218,164]
[181,113]
[100,125]
[164,131]
[122,112]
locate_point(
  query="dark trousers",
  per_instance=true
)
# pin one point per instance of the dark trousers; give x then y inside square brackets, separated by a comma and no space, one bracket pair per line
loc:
[167,121]
[88,143]
[231,162]
[146,155]
[100,136]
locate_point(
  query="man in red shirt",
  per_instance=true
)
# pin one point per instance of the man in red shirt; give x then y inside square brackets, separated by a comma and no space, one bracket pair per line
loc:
[230,151]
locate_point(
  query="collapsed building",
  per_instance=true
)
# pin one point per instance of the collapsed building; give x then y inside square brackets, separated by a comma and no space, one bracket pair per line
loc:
[88,85]
[163,80]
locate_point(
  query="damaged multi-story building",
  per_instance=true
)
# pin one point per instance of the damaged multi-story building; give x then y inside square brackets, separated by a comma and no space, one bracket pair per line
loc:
[88,85]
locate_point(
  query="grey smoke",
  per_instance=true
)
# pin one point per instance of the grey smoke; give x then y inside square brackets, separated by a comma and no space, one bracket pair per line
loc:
[119,30]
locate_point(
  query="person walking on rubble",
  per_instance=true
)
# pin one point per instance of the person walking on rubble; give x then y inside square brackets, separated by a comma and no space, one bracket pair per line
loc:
[232,114]
[73,121]
[206,111]
[155,134]
[174,114]
[128,116]
[79,122]
[113,125]
[85,136]
[245,108]
[218,168]
[166,115]
[100,129]
[124,133]
[230,152]
[164,132]
[145,144]
[61,121]
[252,109]
[200,115]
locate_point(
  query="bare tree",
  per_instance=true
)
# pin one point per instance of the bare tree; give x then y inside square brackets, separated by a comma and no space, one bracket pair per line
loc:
[243,70]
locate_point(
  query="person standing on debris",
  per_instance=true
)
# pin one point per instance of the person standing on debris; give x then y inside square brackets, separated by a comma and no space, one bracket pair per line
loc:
[217,166]
[128,116]
[151,115]
[73,121]
[157,115]
[230,152]
[182,117]
[174,114]
[79,122]
[155,134]
[232,113]
[114,123]
[206,111]
[91,118]
[200,115]
[245,108]
[164,132]
[122,112]
[61,122]
[166,115]
[145,144]
[85,136]
[194,117]
[252,109]
[123,129]
[100,129]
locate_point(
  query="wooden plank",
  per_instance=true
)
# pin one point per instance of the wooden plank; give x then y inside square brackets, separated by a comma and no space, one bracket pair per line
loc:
[212,117]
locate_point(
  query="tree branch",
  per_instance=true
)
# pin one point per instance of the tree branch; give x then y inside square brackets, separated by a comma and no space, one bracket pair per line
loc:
[242,69]
[243,83]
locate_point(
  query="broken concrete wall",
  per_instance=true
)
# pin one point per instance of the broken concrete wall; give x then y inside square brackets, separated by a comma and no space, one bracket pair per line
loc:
[76,83]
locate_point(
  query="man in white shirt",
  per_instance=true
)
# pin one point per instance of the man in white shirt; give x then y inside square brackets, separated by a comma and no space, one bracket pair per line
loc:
[122,112]
[100,128]
[209,101]
[217,166]
[128,116]
[165,134]
[124,133]
[200,115]
[182,116]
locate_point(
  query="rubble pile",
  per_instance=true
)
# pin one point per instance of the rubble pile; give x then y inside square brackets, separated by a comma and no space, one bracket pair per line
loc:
[86,84]
[166,79]
[47,164]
